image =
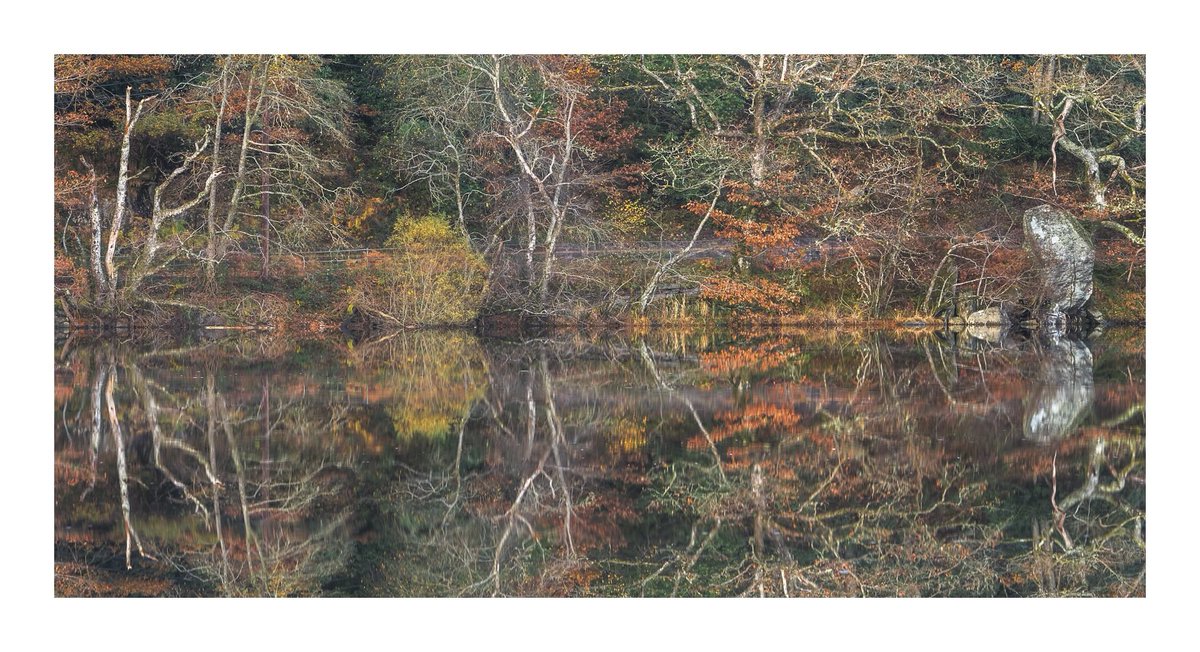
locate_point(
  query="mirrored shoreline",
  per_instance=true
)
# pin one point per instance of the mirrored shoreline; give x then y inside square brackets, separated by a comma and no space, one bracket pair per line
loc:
[705,463]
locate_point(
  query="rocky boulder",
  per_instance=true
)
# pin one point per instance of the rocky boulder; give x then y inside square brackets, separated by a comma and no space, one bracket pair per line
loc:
[1064,257]
[993,316]
[988,325]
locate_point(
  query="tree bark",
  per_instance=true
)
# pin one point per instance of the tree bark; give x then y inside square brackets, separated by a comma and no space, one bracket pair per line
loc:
[1092,179]
[240,180]
[99,281]
[131,118]
[531,227]
[1125,231]
[266,200]
[145,265]
[556,202]
[758,160]
[210,262]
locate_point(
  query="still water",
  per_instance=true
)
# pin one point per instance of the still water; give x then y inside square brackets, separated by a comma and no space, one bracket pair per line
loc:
[763,463]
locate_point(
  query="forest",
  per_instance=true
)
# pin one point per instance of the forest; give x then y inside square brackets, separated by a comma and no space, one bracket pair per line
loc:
[600,325]
[374,193]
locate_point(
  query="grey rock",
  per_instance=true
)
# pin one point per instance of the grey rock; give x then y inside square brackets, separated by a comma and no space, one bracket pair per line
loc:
[994,316]
[988,325]
[1064,256]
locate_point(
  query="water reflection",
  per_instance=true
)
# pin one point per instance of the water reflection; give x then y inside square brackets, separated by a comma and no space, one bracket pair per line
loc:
[1062,392]
[702,463]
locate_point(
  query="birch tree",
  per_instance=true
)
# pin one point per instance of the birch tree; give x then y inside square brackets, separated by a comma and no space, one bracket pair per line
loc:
[559,139]
[110,287]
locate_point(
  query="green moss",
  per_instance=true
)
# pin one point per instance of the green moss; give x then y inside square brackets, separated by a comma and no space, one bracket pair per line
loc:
[1119,293]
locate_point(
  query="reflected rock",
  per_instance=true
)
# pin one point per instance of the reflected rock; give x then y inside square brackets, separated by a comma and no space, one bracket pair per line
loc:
[1062,392]
[989,325]
[986,333]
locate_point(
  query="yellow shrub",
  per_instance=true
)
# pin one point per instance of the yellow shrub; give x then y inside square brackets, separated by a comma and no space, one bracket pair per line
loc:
[428,276]
[629,216]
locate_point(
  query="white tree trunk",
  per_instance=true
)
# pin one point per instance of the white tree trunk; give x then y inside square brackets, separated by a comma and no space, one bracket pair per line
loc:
[531,227]
[1091,162]
[559,171]
[145,265]
[99,281]
[758,160]
[131,118]
[548,264]
[1089,157]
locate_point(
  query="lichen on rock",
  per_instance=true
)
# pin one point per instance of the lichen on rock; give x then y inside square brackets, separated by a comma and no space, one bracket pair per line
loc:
[1064,256]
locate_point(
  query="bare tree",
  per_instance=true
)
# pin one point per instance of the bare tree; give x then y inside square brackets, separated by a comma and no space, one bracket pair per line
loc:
[1095,109]
[293,123]
[107,279]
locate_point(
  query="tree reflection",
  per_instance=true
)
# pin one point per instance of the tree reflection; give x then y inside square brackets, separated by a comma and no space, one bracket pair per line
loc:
[265,496]
[779,463]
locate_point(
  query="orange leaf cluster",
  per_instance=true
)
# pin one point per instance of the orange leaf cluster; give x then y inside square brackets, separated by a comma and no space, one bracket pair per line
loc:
[757,235]
[730,361]
[757,293]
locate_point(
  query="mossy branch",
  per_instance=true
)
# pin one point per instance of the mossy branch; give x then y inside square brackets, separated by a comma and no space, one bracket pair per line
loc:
[1126,231]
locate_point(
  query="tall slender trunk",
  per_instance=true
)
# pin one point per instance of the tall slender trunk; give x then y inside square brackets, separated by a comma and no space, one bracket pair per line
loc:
[131,118]
[458,203]
[548,263]
[531,229]
[266,199]
[99,282]
[210,256]
[239,183]
[758,161]
[458,195]
[559,203]
[556,202]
